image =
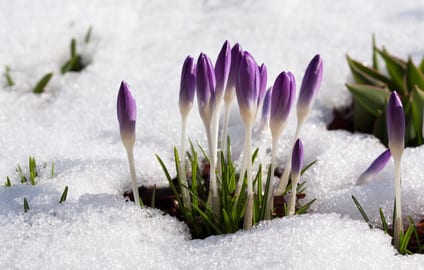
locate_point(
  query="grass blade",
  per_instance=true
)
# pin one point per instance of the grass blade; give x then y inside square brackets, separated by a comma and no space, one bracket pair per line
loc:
[361,210]
[41,84]
[64,195]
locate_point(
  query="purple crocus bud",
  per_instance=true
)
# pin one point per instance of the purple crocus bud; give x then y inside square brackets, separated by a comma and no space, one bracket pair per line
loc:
[282,98]
[376,166]
[222,69]
[266,108]
[297,157]
[263,74]
[205,88]
[187,85]
[247,88]
[236,55]
[395,120]
[127,114]
[310,85]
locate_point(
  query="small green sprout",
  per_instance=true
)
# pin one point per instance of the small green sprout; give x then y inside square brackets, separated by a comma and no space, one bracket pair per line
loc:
[64,195]
[7,183]
[88,34]
[26,206]
[8,77]
[42,83]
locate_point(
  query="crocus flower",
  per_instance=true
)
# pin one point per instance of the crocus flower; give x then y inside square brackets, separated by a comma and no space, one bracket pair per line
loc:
[236,55]
[205,88]
[247,88]
[395,120]
[263,75]
[187,88]
[266,108]
[222,69]
[376,166]
[310,85]
[282,98]
[296,169]
[127,114]
[187,85]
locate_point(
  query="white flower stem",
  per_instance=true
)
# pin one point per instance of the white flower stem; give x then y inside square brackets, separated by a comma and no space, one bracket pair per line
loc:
[270,198]
[292,201]
[130,155]
[398,226]
[213,199]
[225,127]
[183,174]
[248,163]
[285,177]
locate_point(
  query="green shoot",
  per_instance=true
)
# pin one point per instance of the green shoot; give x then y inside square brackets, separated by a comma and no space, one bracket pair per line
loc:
[7,183]
[32,170]
[64,195]
[52,170]
[42,83]
[361,210]
[26,206]
[383,221]
[88,34]
[9,79]
[21,174]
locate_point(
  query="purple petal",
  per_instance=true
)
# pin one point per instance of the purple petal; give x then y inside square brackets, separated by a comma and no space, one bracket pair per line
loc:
[236,55]
[283,94]
[205,86]
[127,112]
[222,69]
[266,108]
[263,73]
[247,87]
[376,166]
[310,84]
[395,120]
[297,157]
[187,84]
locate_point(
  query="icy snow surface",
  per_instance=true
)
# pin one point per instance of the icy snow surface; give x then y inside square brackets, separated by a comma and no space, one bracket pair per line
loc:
[74,125]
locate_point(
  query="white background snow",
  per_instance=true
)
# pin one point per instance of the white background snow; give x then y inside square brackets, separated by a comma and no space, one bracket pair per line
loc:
[74,125]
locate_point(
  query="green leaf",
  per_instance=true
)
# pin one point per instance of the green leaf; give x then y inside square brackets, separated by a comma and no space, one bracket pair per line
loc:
[396,68]
[384,221]
[361,210]
[7,183]
[305,208]
[73,48]
[41,84]
[372,98]
[88,34]
[414,76]
[26,206]
[366,75]
[374,53]
[416,119]
[64,195]
[404,240]
[422,65]
[9,79]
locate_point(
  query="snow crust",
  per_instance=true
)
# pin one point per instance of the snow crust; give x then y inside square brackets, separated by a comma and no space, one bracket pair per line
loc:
[145,43]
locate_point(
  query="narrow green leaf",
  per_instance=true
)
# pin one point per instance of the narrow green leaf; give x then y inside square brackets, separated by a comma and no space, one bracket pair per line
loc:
[8,77]
[367,75]
[417,103]
[404,240]
[396,68]
[26,206]
[361,210]
[88,34]
[305,208]
[384,221]
[255,155]
[52,170]
[422,65]
[7,183]
[64,195]
[374,53]
[32,170]
[414,76]
[372,98]
[41,84]
[416,235]
[308,166]
[73,48]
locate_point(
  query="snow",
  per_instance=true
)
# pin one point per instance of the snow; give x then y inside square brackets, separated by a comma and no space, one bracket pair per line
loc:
[74,125]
